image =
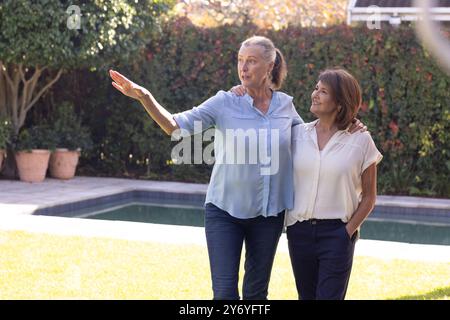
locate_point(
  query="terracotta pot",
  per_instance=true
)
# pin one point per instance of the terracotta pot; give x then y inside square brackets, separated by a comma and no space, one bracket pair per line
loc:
[63,163]
[32,165]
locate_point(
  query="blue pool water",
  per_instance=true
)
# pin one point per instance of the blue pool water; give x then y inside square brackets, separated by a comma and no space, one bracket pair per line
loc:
[374,228]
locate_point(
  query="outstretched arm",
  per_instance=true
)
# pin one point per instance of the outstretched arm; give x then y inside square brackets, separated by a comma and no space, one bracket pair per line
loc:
[158,113]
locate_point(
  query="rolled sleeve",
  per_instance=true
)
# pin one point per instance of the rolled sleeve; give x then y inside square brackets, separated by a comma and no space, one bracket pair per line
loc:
[371,153]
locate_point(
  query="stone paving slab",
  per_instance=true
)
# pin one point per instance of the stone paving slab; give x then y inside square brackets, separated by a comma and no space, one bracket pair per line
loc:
[30,196]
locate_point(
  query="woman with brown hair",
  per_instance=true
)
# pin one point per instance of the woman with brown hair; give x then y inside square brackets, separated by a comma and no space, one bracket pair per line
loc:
[335,188]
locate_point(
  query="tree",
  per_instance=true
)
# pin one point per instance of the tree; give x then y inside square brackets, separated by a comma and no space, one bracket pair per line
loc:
[40,39]
[267,14]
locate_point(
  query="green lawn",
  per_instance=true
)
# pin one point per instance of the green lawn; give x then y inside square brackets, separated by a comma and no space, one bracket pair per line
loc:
[42,266]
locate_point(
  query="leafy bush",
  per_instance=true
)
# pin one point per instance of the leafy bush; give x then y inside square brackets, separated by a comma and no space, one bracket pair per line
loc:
[67,129]
[405,98]
[37,137]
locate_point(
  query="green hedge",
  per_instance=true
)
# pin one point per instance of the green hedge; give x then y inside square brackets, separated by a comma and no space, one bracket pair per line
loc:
[406,98]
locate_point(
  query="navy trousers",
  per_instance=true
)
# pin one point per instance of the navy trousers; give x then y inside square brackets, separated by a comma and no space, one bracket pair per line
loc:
[225,236]
[321,254]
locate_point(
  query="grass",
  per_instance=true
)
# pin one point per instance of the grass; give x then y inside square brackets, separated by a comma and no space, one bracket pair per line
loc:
[43,266]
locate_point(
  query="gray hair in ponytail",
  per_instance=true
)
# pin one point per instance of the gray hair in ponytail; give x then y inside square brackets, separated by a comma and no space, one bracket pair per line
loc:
[270,54]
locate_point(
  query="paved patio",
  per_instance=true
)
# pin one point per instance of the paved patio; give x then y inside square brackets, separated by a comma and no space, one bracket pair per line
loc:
[18,200]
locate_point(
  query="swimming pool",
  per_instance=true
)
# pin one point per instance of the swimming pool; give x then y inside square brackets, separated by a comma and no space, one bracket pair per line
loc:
[412,224]
[376,228]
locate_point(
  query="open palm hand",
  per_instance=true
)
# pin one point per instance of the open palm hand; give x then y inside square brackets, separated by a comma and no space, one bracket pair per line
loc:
[126,86]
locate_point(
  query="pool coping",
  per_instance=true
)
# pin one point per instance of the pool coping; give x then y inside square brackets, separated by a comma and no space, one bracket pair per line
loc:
[72,209]
[123,198]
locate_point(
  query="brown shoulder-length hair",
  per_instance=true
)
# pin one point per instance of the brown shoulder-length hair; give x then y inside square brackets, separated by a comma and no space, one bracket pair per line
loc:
[346,93]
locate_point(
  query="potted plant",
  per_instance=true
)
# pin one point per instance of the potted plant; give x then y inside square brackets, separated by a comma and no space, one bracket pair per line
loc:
[33,153]
[70,138]
[5,131]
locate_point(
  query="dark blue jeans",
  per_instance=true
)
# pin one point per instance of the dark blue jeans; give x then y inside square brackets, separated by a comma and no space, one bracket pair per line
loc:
[225,236]
[321,254]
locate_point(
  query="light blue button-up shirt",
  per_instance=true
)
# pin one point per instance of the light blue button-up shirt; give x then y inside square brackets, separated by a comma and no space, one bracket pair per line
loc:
[252,174]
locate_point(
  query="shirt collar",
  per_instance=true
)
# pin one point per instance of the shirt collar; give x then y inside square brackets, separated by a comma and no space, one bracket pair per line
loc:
[310,126]
[273,103]
[249,99]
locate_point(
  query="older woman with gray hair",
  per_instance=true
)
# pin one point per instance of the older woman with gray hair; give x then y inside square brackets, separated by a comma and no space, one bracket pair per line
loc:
[243,205]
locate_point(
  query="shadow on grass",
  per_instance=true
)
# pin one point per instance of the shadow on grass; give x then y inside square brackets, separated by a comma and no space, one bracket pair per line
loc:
[438,293]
